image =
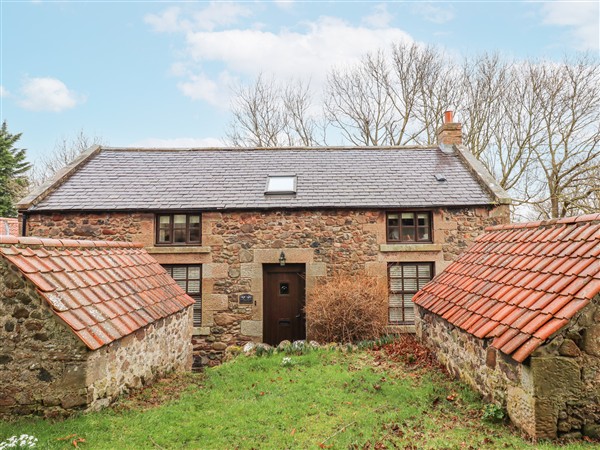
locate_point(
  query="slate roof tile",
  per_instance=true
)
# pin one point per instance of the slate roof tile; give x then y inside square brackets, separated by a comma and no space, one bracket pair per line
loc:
[522,282]
[215,179]
[100,302]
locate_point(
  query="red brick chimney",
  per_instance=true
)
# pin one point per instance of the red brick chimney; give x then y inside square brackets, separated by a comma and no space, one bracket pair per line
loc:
[450,133]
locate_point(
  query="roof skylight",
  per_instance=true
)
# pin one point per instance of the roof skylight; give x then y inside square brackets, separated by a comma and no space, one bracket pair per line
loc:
[281,184]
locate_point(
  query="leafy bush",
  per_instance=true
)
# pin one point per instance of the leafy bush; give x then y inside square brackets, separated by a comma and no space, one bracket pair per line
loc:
[347,308]
[493,412]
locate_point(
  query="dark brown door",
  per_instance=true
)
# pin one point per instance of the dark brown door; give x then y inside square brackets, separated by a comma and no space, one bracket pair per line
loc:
[283,303]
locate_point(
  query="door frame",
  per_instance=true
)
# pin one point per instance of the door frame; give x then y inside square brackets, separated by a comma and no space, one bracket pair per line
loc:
[267,269]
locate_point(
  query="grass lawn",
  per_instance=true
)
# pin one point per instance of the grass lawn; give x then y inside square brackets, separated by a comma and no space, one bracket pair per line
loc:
[324,399]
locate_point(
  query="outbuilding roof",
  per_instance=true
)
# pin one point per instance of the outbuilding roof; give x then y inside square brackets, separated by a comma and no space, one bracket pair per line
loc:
[521,283]
[236,178]
[102,290]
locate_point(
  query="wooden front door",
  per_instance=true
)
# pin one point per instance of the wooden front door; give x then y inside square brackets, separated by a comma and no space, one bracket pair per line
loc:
[283,303]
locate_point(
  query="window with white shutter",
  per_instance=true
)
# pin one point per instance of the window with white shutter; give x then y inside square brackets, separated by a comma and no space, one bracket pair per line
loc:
[189,278]
[405,279]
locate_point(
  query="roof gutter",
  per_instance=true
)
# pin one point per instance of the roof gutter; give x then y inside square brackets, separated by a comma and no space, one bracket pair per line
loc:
[60,177]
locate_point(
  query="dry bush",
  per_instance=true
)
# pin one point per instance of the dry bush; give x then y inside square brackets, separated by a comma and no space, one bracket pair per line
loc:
[347,308]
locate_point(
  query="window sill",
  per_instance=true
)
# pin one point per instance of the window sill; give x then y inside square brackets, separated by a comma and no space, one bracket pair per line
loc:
[410,248]
[396,329]
[177,249]
[201,331]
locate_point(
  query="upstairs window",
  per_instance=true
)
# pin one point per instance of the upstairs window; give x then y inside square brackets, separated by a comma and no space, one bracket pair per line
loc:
[281,184]
[405,226]
[178,229]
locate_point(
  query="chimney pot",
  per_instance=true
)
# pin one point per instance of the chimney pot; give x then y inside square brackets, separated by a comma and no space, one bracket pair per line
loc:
[450,133]
[448,116]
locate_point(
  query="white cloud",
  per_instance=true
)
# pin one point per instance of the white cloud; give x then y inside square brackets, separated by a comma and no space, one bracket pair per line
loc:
[178,143]
[309,54]
[215,91]
[3,92]
[217,53]
[582,18]
[47,94]
[433,13]
[175,19]
[284,4]
[165,22]
[380,18]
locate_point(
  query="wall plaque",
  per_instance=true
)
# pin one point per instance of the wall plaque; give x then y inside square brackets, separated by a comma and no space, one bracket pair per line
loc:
[246,299]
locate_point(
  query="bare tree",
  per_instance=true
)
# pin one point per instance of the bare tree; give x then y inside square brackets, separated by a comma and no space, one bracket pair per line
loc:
[270,114]
[395,100]
[484,83]
[64,152]
[501,121]
[534,124]
[569,152]
[357,102]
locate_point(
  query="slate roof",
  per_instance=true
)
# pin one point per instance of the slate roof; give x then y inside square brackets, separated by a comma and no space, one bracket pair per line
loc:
[519,284]
[216,179]
[102,290]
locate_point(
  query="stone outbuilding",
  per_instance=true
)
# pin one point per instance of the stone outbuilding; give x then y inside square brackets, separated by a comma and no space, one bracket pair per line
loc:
[517,316]
[83,321]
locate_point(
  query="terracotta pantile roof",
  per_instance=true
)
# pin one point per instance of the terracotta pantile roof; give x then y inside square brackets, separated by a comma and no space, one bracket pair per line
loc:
[102,290]
[518,284]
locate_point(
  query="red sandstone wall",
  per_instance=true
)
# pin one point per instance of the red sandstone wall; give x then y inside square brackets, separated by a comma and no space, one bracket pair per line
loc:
[236,244]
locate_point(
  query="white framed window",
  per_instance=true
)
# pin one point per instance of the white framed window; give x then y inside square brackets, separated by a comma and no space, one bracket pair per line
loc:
[281,184]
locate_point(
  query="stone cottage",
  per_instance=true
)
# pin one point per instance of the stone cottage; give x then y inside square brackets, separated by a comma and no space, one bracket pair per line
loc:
[248,233]
[83,321]
[517,316]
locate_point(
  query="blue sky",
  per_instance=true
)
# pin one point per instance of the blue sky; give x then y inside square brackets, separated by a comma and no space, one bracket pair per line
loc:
[160,73]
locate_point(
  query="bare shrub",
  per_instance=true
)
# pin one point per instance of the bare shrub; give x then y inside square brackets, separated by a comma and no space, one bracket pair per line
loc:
[347,308]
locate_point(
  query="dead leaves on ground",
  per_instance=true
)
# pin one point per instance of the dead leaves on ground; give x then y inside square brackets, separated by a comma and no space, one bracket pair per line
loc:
[164,390]
[75,440]
[408,351]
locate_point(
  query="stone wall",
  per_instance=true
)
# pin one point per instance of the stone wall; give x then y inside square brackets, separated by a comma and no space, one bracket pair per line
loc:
[468,358]
[140,358]
[553,393]
[129,227]
[561,383]
[46,370]
[42,363]
[236,245]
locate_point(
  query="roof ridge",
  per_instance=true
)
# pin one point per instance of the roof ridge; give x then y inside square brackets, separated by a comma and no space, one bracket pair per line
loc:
[279,148]
[545,223]
[26,241]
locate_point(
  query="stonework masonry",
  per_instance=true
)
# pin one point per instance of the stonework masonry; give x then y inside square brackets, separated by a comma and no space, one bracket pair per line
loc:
[46,370]
[553,393]
[139,358]
[236,245]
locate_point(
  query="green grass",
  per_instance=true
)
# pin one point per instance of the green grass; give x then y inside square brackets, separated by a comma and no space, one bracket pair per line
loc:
[326,399]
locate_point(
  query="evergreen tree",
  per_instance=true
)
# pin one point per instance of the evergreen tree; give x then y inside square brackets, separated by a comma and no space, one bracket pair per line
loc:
[13,166]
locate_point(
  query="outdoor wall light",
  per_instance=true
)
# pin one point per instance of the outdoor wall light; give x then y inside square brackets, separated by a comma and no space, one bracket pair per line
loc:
[282,259]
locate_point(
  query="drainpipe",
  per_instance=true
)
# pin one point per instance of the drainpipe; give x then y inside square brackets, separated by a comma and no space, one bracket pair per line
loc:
[23,224]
